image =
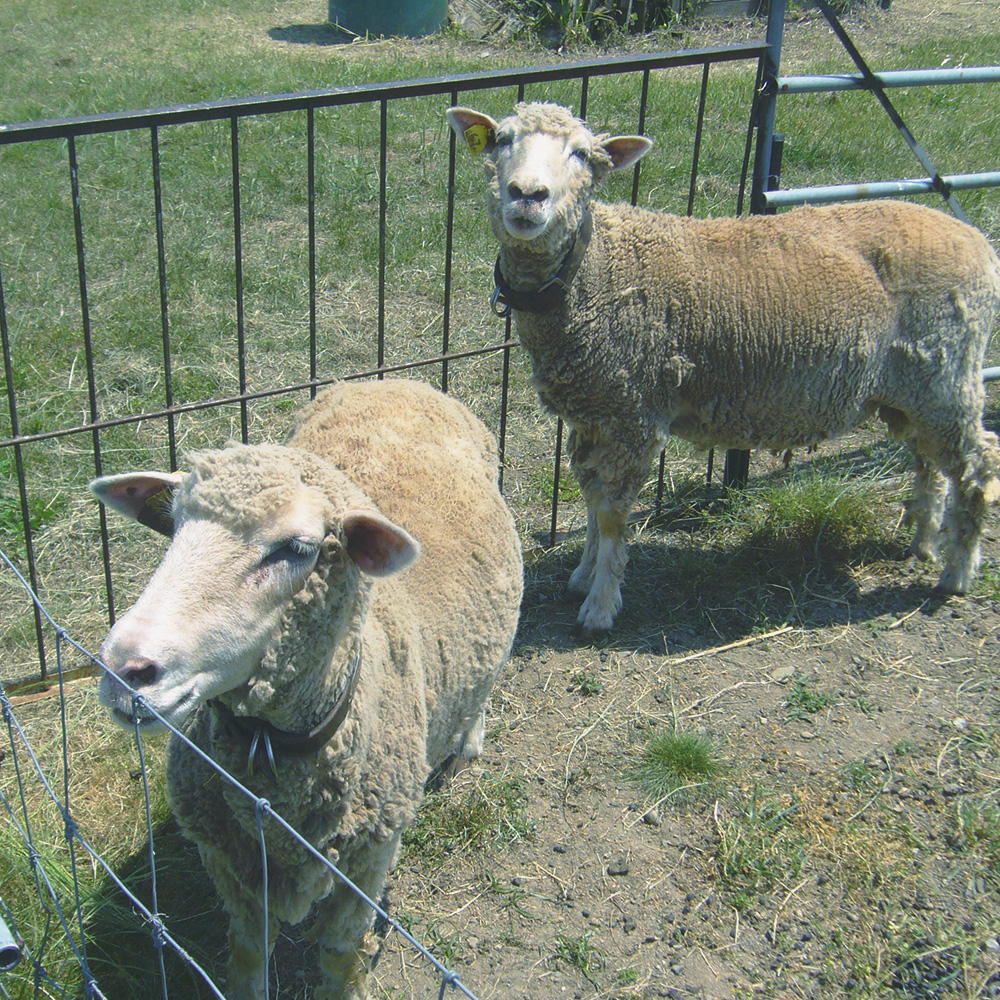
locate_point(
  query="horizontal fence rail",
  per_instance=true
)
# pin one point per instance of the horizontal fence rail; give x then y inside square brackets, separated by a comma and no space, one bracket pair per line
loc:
[368,93]
[826,194]
[892,78]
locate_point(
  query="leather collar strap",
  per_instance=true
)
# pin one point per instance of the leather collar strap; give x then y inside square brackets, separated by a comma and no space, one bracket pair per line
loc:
[262,736]
[552,293]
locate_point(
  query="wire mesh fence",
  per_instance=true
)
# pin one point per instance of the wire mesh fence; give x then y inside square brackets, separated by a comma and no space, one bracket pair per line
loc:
[60,908]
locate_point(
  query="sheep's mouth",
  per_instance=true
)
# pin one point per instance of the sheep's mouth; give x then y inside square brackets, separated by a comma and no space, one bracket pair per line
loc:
[524,224]
[128,720]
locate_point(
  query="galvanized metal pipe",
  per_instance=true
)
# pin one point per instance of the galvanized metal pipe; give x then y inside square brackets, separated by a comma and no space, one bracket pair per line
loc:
[10,950]
[892,78]
[879,189]
[991,374]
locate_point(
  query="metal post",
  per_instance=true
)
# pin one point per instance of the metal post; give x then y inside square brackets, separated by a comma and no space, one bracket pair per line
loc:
[10,950]
[736,472]
[766,102]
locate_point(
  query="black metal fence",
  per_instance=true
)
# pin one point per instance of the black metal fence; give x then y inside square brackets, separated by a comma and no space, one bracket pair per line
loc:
[94,413]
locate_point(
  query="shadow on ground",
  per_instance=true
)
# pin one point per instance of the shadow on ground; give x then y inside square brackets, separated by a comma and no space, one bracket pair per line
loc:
[310,34]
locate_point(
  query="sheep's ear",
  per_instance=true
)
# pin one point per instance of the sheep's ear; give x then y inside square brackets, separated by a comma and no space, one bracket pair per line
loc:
[145,497]
[626,150]
[478,130]
[378,546]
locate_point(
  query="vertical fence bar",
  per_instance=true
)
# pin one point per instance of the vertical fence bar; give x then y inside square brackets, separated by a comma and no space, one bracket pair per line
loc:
[698,128]
[70,823]
[22,485]
[748,145]
[643,102]
[311,212]
[161,267]
[88,350]
[504,403]
[736,471]
[383,157]
[449,225]
[153,893]
[234,133]
[766,102]
[555,481]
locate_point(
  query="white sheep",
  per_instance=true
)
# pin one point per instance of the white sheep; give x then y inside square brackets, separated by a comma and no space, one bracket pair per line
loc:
[280,617]
[768,331]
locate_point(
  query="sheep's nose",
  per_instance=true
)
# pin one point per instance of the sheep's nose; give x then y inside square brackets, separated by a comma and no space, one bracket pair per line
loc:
[138,672]
[536,193]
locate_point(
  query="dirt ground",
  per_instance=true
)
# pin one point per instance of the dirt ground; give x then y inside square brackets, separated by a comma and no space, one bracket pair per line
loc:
[851,844]
[867,890]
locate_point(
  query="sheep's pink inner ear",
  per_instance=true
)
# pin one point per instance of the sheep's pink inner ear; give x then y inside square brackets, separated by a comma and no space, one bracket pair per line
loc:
[378,546]
[145,497]
[478,130]
[626,150]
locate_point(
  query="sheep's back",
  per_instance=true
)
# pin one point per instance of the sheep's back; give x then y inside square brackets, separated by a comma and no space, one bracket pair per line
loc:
[430,466]
[769,330]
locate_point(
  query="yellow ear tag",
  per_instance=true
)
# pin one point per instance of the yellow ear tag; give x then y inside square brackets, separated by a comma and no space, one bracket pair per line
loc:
[478,136]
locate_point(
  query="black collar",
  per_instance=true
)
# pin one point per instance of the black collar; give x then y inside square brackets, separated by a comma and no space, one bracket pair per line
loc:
[549,295]
[260,735]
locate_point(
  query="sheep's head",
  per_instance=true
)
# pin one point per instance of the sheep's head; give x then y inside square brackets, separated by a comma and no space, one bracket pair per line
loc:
[261,536]
[542,165]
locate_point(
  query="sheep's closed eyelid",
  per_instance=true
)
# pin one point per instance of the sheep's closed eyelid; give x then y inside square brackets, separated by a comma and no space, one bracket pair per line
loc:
[296,551]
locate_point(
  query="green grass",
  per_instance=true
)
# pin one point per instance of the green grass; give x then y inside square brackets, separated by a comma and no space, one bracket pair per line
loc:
[578,953]
[491,814]
[671,761]
[812,519]
[758,847]
[804,700]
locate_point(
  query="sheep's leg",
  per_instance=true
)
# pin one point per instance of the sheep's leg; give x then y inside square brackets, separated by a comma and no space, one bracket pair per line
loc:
[926,510]
[246,970]
[974,486]
[343,927]
[471,744]
[582,578]
[605,599]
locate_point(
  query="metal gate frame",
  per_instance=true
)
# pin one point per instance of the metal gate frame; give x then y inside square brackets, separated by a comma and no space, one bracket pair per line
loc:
[765,198]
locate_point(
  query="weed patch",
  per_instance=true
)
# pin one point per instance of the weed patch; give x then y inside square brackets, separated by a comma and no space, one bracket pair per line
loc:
[674,760]
[491,814]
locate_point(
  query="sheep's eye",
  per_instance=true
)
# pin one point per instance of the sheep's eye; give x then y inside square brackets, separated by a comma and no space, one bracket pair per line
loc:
[295,552]
[503,139]
[581,153]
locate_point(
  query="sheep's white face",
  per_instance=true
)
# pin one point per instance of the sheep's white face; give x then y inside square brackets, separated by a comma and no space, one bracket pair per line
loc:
[543,165]
[202,624]
[247,533]
[539,175]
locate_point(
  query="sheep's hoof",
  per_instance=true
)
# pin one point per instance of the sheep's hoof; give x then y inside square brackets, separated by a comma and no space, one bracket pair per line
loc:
[593,623]
[953,582]
[925,549]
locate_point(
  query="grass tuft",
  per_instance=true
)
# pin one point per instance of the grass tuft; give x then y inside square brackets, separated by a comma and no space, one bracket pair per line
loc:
[812,521]
[675,760]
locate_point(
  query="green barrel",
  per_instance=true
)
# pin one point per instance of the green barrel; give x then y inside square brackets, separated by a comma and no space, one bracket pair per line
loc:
[389,17]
